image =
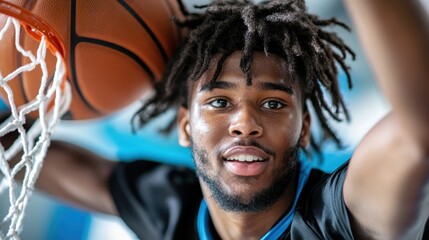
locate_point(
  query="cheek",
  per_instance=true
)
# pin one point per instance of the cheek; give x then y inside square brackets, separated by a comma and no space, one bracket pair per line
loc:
[295,121]
[207,129]
[198,123]
[285,130]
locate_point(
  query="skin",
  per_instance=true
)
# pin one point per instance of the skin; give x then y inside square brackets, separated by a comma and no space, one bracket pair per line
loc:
[232,112]
[387,186]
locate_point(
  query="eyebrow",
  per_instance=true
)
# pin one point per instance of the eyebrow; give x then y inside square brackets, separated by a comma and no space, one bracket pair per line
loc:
[262,85]
[276,86]
[218,84]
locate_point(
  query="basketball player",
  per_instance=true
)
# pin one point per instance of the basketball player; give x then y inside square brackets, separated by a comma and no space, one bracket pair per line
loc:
[242,83]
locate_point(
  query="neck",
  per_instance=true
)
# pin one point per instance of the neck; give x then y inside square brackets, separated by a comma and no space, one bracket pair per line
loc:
[244,225]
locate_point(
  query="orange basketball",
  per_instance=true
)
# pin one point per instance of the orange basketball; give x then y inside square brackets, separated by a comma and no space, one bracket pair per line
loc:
[115,50]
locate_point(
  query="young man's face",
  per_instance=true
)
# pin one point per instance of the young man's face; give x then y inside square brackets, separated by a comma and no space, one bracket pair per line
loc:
[245,139]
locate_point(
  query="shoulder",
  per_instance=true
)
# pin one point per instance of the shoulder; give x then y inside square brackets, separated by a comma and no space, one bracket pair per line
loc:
[156,200]
[138,172]
[321,212]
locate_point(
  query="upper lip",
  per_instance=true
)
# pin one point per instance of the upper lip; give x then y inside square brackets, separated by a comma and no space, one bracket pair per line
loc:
[249,152]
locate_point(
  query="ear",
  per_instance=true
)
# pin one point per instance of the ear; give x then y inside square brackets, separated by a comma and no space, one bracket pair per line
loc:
[183,127]
[305,130]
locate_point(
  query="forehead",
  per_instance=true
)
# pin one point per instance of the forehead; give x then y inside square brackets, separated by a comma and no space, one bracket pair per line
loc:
[263,67]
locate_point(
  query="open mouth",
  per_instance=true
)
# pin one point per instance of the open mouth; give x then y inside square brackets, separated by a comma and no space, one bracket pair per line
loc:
[246,160]
[246,165]
[243,158]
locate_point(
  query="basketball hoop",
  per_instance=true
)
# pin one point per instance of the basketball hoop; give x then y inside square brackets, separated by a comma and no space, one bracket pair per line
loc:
[50,103]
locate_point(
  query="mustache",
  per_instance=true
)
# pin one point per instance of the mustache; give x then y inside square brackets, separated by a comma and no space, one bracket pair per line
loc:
[248,143]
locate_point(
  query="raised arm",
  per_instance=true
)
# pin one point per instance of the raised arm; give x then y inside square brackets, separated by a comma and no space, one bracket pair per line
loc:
[387,186]
[78,177]
[73,175]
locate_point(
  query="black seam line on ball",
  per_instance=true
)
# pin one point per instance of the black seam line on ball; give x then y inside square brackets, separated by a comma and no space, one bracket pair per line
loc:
[76,39]
[147,28]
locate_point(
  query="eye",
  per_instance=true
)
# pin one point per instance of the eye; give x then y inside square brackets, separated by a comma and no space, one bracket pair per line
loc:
[220,103]
[273,104]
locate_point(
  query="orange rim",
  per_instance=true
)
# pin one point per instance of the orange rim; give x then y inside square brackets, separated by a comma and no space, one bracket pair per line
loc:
[34,26]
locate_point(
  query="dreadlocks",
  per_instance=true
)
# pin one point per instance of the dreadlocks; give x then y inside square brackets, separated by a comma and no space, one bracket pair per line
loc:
[283,28]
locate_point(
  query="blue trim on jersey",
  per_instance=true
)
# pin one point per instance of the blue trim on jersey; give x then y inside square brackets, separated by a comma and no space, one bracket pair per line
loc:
[203,222]
[203,219]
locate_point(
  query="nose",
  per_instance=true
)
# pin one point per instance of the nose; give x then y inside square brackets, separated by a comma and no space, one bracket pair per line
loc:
[245,122]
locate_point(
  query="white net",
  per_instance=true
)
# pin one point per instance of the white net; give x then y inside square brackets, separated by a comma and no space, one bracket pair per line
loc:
[25,156]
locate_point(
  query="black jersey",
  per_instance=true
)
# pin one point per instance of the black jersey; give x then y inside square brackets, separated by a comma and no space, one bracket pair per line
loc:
[159,201]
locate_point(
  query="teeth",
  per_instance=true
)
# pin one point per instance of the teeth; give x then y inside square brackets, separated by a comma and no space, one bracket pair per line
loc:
[245,158]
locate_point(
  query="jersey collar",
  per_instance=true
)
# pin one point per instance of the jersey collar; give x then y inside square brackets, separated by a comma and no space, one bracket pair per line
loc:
[203,219]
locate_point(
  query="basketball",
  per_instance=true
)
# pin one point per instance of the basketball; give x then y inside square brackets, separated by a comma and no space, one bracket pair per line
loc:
[115,51]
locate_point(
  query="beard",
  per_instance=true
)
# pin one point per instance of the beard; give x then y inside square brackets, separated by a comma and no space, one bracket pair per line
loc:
[256,202]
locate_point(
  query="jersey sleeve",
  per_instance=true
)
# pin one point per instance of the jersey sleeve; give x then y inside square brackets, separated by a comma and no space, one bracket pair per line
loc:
[156,201]
[321,212]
